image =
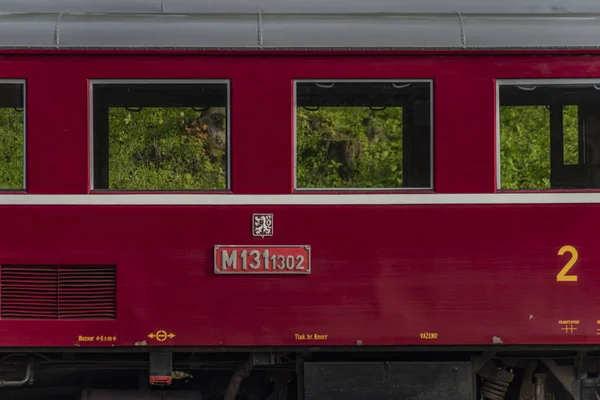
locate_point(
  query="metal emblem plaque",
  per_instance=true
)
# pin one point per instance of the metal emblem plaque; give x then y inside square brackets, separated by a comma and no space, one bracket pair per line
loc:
[262,225]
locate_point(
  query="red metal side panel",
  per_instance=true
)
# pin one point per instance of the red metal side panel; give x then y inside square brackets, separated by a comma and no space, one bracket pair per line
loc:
[381,275]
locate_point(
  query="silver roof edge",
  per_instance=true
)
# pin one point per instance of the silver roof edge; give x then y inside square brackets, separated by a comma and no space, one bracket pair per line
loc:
[284,31]
[301,6]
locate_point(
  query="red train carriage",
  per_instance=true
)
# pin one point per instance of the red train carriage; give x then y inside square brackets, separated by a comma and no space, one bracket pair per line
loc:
[273,200]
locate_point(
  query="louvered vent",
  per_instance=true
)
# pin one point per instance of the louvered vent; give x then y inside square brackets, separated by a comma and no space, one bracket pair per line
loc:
[58,292]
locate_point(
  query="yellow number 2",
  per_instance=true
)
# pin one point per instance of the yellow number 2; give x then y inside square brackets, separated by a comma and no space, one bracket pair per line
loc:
[562,275]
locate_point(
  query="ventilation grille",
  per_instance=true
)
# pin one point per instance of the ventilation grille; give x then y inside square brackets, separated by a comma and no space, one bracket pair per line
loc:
[58,292]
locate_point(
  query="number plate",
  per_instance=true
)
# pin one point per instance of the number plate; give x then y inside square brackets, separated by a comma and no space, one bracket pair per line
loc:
[262,260]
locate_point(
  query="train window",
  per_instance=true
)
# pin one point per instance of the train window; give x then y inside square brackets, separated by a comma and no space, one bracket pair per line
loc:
[549,135]
[12,135]
[160,136]
[363,135]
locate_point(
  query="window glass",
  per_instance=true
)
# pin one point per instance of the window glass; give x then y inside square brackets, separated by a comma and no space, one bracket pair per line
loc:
[549,136]
[12,136]
[363,135]
[160,136]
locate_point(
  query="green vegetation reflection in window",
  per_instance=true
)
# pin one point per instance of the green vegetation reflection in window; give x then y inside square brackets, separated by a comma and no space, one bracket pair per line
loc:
[363,135]
[12,136]
[549,136]
[160,137]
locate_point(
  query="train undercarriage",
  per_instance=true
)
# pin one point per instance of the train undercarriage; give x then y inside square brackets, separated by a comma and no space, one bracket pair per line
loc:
[302,374]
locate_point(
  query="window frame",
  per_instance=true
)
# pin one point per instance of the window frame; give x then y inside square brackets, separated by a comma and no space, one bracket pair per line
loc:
[530,82]
[23,83]
[92,82]
[430,188]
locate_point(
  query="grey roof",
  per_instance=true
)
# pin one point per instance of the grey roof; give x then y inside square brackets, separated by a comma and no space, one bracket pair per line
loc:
[300,24]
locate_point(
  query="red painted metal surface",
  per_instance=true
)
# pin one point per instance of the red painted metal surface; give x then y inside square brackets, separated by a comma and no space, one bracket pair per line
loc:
[380,275]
